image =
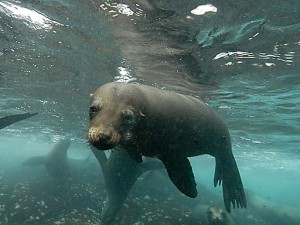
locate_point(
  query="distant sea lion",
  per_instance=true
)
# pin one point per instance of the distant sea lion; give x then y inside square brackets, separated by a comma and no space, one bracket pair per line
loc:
[8,120]
[146,121]
[275,213]
[210,215]
[57,163]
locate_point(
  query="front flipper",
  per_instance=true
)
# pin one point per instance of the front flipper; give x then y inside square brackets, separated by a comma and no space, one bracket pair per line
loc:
[8,120]
[181,174]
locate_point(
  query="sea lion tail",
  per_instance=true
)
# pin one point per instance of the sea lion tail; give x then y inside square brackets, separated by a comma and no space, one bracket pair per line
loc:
[228,174]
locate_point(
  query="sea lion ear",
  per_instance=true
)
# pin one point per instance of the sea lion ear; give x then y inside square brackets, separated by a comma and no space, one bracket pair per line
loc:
[91,95]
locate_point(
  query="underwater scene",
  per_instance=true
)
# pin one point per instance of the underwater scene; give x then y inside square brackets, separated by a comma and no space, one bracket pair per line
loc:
[149,112]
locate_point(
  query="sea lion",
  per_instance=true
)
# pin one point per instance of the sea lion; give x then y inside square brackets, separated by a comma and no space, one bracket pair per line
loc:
[210,215]
[120,173]
[273,212]
[57,163]
[8,120]
[146,121]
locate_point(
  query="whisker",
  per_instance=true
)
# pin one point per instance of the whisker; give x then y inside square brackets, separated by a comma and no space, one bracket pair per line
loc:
[84,126]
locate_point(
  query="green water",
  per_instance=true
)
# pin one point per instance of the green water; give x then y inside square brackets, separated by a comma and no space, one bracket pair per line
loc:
[242,60]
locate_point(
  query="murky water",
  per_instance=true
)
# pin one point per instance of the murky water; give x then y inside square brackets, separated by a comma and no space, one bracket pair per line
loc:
[240,57]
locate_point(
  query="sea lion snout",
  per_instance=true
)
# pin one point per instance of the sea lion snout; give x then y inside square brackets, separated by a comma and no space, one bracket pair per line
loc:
[103,140]
[216,221]
[216,215]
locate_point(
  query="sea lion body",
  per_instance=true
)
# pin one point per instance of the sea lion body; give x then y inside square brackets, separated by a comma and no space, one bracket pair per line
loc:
[172,121]
[120,173]
[146,121]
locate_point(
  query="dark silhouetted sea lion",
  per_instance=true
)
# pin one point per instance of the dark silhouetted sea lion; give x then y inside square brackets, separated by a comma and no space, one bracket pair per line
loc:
[120,173]
[8,120]
[210,215]
[56,161]
[146,121]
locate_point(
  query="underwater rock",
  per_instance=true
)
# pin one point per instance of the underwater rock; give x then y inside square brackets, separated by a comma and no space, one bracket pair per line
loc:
[39,201]
[4,198]
[42,202]
[83,217]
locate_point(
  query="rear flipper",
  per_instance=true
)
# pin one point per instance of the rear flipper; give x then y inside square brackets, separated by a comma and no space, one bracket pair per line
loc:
[228,174]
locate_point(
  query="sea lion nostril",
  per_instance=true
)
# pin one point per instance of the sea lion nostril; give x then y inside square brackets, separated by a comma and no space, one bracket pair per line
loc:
[103,137]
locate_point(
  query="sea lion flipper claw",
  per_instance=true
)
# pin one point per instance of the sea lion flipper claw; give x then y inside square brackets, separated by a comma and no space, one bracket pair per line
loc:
[181,174]
[218,173]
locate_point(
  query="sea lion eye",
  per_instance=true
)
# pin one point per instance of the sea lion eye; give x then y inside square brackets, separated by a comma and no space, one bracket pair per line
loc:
[128,116]
[209,212]
[93,110]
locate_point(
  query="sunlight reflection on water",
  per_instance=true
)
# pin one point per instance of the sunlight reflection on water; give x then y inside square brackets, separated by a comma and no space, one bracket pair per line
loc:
[32,18]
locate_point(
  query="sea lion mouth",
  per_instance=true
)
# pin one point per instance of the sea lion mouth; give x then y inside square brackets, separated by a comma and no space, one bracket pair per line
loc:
[103,140]
[103,147]
[217,222]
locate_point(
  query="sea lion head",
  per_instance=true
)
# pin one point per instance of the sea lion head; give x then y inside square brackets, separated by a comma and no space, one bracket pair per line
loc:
[113,114]
[216,216]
